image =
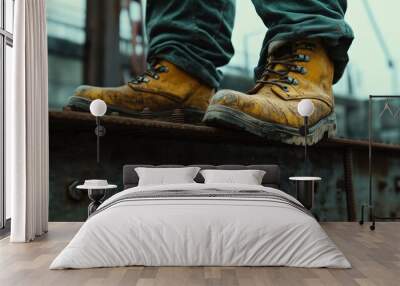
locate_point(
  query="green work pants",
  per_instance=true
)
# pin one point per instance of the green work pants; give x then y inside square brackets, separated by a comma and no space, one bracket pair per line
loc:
[195,35]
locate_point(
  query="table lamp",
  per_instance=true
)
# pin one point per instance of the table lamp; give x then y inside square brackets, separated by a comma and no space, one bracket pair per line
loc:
[305,109]
[98,108]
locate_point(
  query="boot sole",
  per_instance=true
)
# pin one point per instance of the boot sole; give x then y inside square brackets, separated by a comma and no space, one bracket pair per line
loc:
[179,115]
[223,116]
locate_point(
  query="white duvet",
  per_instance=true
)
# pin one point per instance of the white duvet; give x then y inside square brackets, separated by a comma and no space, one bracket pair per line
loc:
[200,231]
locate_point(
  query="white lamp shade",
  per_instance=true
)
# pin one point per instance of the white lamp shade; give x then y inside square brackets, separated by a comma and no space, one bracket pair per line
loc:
[305,107]
[98,107]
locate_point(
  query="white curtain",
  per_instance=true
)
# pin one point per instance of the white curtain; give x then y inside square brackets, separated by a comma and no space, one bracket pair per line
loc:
[27,124]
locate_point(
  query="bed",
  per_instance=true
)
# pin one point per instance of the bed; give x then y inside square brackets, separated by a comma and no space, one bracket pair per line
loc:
[197,224]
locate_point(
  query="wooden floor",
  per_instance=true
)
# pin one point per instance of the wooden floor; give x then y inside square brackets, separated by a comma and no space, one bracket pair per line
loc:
[375,257]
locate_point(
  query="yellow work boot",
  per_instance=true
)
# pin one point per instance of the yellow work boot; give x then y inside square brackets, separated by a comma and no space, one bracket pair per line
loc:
[163,92]
[293,72]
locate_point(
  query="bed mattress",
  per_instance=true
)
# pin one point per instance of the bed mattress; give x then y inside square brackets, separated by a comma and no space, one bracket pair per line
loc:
[201,225]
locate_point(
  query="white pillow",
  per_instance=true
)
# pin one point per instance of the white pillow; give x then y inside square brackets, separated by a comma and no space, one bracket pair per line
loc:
[248,177]
[165,176]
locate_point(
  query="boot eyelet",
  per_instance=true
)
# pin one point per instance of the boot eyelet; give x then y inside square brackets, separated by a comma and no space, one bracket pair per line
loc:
[285,88]
[163,69]
[299,57]
[303,58]
[300,69]
[156,76]
[291,80]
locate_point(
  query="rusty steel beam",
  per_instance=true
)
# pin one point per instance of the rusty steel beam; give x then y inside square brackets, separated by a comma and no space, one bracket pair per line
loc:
[82,119]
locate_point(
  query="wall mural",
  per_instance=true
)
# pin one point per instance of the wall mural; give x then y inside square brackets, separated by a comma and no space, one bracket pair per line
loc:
[179,88]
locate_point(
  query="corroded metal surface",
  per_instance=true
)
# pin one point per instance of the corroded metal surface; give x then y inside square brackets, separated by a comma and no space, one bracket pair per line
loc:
[206,132]
[140,141]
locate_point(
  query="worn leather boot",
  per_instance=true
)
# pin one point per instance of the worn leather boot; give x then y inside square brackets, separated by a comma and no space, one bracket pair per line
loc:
[293,72]
[163,92]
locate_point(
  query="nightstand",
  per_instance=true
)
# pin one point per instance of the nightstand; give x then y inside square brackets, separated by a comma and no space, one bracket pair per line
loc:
[96,195]
[305,187]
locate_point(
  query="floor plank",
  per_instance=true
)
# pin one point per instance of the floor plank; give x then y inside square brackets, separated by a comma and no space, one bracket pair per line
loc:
[374,255]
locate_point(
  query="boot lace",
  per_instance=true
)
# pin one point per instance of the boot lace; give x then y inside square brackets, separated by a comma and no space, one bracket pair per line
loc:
[289,62]
[153,71]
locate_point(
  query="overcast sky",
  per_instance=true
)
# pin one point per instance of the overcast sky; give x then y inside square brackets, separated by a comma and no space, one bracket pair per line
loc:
[367,60]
